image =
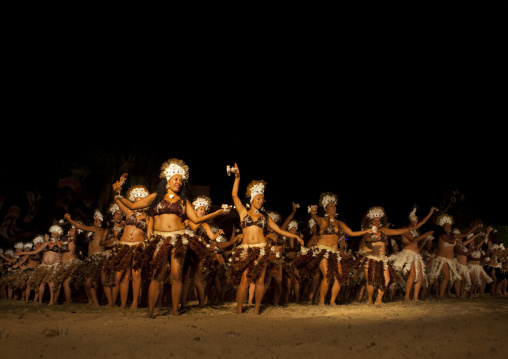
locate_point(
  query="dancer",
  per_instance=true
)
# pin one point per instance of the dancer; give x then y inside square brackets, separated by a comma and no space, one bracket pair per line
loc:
[110,238]
[69,261]
[89,272]
[168,207]
[250,260]
[274,270]
[479,278]
[325,255]
[377,268]
[409,259]
[130,250]
[445,262]
[461,254]
[203,231]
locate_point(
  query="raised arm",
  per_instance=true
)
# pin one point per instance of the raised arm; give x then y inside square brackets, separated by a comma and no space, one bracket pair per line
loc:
[234,193]
[425,219]
[289,219]
[35,251]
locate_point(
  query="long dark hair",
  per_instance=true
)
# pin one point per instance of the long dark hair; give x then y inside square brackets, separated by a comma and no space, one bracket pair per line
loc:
[186,194]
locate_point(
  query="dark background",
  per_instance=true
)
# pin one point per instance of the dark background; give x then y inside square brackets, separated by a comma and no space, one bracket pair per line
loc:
[366,161]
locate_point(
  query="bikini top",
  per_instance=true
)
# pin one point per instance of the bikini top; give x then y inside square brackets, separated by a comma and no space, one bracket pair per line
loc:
[138,223]
[330,228]
[446,244]
[247,222]
[65,244]
[35,257]
[164,207]
[55,249]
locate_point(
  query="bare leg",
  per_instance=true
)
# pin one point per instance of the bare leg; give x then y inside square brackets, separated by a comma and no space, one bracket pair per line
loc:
[446,278]
[260,290]
[241,292]
[176,282]
[336,287]
[252,289]
[380,292]
[136,287]
[409,283]
[67,290]
[323,266]
[198,273]
[418,285]
[123,288]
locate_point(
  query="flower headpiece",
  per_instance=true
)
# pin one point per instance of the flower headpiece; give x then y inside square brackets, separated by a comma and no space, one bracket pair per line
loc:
[174,166]
[326,198]
[254,188]
[98,215]
[38,239]
[376,212]
[9,252]
[274,216]
[28,245]
[19,245]
[293,224]
[202,201]
[412,216]
[444,218]
[56,228]
[137,191]
[113,207]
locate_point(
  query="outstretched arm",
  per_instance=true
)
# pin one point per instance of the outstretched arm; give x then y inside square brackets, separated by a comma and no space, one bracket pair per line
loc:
[350,233]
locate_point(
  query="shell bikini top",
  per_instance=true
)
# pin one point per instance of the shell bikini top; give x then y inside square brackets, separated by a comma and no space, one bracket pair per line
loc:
[164,207]
[247,222]
[138,223]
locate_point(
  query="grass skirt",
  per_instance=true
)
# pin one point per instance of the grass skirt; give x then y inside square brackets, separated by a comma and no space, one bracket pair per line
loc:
[403,261]
[310,259]
[251,258]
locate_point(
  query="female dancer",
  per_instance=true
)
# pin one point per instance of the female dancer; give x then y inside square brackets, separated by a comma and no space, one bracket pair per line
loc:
[461,254]
[479,278]
[168,207]
[445,262]
[90,269]
[376,265]
[68,263]
[250,259]
[110,237]
[409,259]
[201,206]
[292,251]
[274,271]
[130,257]
[325,255]
[50,261]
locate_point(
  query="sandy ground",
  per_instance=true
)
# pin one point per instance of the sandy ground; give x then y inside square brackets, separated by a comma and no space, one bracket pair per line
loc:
[450,328]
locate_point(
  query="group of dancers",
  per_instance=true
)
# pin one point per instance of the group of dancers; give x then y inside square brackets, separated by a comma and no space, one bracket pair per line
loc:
[166,242]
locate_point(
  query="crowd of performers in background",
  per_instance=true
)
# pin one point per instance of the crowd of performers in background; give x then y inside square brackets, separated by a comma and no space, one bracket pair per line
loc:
[152,249]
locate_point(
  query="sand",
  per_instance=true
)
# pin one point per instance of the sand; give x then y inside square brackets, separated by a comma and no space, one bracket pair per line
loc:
[449,328]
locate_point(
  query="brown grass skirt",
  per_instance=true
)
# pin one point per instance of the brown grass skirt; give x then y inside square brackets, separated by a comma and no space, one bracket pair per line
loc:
[308,264]
[250,258]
